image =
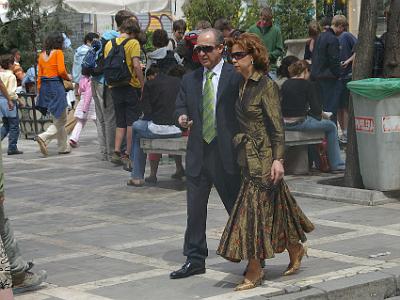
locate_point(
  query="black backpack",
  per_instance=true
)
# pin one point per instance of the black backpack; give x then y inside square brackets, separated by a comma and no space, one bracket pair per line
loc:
[116,71]
[167,63]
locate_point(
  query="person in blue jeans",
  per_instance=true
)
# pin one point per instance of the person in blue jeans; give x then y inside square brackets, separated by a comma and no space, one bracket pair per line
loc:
[8,107]
[302,111]
[158,105]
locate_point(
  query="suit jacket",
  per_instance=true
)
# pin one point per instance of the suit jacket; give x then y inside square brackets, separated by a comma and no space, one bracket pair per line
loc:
[190,102]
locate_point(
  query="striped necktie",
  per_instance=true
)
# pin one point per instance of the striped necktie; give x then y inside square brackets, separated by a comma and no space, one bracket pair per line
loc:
[209,131]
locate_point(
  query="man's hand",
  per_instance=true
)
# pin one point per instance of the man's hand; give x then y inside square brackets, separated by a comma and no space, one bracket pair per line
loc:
[10,104]
[184,122]
[277,171]
[2,200]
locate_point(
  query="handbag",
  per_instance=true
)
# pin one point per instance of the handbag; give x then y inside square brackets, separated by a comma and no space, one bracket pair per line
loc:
[68,85]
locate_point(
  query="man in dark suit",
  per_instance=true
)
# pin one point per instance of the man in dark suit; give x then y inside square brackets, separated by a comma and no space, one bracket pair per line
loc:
[205,103]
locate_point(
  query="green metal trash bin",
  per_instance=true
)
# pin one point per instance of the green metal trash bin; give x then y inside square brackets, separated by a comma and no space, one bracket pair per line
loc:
[377,118]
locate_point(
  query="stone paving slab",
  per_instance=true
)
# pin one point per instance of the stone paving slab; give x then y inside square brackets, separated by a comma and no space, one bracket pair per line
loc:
[102,240]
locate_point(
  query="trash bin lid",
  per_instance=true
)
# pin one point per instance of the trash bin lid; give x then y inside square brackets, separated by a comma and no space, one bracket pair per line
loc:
[375,88]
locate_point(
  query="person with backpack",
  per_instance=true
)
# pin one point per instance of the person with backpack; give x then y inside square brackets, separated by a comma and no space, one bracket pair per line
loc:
[105,113]
[80,54]
[123,74]
[162,57]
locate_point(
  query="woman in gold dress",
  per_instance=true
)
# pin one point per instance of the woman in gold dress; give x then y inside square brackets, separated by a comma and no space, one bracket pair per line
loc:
[266,218]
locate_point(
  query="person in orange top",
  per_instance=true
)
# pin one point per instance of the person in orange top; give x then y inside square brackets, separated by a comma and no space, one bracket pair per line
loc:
[52,96]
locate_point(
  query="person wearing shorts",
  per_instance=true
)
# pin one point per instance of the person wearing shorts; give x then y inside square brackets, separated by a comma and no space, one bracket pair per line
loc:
[126,98]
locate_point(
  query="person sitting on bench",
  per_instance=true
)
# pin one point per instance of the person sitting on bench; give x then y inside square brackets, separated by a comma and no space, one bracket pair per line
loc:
[158,103]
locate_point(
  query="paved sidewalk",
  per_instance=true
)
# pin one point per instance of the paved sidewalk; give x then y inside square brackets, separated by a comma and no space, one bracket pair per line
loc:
[100,239]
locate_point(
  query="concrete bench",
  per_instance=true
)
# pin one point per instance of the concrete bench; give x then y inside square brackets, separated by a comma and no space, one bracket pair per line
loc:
[296,161]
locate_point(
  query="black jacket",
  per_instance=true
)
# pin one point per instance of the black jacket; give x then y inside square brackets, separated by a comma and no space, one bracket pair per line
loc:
[158,102]
[326,57]
[189,102]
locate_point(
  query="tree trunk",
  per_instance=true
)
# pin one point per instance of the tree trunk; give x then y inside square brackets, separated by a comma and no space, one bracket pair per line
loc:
[392,41]
[362,69]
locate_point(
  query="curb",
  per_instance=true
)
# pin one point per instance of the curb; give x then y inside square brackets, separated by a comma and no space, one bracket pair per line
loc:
[313,189]
[377,285]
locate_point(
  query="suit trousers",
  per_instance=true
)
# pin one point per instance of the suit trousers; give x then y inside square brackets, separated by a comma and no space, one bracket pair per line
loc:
[198,191]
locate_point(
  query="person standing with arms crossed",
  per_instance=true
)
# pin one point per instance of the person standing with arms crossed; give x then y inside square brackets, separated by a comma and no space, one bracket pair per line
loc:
[205,103]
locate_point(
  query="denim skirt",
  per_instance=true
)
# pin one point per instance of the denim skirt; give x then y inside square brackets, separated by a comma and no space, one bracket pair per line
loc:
[52,97]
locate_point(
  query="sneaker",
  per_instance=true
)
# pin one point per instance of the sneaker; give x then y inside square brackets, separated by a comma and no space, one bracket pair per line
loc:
[14,152]
[116,159]
[343,139]
[30,282]
[42,146]
[73,144]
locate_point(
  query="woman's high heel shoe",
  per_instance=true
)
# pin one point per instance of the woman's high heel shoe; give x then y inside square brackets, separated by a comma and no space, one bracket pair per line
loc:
[294,266]
[247,284]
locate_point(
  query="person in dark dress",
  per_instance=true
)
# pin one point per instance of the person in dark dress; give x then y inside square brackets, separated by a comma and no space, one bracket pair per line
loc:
[266,218]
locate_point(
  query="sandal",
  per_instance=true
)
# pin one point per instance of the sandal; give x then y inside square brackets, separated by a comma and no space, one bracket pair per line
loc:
[131,182]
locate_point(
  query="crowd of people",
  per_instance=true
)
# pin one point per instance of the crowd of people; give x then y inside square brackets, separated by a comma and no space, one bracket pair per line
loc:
[232,92]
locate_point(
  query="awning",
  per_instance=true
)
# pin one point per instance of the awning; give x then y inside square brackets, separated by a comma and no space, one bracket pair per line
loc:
[101,7]
[111,7]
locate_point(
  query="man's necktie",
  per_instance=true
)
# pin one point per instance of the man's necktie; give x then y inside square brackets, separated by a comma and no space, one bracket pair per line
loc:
[209,130]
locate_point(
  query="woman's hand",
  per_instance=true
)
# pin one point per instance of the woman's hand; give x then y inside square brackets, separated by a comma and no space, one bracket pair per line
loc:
[277,171]
[2,199]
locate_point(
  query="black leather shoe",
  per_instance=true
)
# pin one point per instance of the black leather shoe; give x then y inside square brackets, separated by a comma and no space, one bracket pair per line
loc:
[188,269]
[14,152]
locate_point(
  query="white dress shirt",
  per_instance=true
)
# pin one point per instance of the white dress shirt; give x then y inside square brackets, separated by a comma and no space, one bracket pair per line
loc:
[215,80]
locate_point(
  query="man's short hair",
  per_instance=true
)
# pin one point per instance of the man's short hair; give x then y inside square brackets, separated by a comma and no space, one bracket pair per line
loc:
[14,51]
[219,37]
[160,38]
[122,15]
[339,20]
[179,25]
[266,10]
[130,26]
[6,60]
[89,37]
[222,24]
[203,24]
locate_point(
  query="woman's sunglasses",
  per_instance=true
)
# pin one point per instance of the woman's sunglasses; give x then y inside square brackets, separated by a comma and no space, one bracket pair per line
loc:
[205,49]
[238,55]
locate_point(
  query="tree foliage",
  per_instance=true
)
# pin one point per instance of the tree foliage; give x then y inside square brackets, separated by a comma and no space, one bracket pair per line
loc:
[293,17]
[212,10]
[27,27]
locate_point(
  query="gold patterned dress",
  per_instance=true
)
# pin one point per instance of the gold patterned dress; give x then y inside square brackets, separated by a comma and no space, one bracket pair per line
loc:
[265,218]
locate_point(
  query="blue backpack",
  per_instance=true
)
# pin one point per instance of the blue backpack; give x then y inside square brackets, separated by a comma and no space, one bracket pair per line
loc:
[89,61]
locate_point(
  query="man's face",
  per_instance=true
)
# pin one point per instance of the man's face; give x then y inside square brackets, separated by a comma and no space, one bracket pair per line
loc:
[266,17]
[339,29]
[17,57]
[179,34]
[208,51]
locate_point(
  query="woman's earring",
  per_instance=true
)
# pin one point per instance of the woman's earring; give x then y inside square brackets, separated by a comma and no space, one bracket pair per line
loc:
[252,61]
